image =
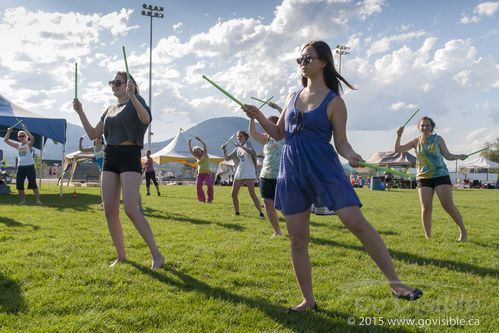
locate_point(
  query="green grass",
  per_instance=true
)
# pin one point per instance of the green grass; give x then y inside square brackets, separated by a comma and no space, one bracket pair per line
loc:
[225,274]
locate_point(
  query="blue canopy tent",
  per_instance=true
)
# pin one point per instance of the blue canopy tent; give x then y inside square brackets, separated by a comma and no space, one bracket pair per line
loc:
[41,127]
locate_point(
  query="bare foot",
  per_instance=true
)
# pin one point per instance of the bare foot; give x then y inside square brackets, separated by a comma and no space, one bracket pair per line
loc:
[157,263]
[276,234]
[463,237]
[117,262]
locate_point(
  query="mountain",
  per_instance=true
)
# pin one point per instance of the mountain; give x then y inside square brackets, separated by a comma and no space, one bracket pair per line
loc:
[211,131]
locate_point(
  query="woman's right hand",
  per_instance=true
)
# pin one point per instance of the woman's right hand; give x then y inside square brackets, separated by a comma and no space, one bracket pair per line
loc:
[224,146]
[251,110]
[77,105]
[400,131]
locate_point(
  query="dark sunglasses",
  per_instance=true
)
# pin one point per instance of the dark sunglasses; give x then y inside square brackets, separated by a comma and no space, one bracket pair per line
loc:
[116,83]
[299,121]
[21,136]
[306,59]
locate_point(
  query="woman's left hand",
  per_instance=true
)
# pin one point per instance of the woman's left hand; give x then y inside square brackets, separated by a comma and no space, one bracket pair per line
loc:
[130,88]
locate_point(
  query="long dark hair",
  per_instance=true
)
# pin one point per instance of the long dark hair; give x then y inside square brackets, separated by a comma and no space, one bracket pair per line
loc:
[123,74]
[331,76]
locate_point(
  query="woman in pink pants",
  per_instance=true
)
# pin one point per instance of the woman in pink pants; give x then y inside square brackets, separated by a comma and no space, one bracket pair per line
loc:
[204,174]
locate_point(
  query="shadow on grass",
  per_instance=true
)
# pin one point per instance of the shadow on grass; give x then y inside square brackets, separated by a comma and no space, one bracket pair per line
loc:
[419,260]
[11,300]
[13,223]
[491,245]
[159,214]
[321,321]
[82,202]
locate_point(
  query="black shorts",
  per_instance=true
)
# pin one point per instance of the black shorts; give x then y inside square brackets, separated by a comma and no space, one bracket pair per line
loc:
[23,172]
[122,158]
[434,182]
[267,188]
[151,175]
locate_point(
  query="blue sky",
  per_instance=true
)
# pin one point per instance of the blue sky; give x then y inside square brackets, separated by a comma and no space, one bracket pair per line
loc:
[439,56]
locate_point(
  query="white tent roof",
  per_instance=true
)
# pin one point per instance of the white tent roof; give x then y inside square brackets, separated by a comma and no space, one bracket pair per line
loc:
[178,151]
[479,163]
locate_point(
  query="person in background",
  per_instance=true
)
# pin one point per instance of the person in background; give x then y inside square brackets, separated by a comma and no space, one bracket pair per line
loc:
[204,174]
[244,156]
[98,150]
[270,169]
[123,124]
[432,174]
[26,165]
[150,173]
[311,173]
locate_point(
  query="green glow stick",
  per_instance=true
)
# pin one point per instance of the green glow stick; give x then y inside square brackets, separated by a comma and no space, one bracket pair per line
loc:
[386,169]
[126,64]
[226,93]
[410,118]
[18,122]
[476,152]
[264,102]
[76,80]
[228,140]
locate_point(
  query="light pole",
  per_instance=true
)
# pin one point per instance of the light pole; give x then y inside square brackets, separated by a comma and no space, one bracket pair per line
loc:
[342,50]
[151,11]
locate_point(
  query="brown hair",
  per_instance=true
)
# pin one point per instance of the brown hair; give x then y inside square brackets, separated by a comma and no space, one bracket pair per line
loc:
[123,74]
[244,133]
[273,119]
[331,76]
[432,123]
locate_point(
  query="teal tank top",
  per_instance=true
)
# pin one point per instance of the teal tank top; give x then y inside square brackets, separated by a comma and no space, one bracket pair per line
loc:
[429,160]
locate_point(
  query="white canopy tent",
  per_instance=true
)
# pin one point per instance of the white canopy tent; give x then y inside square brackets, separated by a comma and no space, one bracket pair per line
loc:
[479,163]
[178,151]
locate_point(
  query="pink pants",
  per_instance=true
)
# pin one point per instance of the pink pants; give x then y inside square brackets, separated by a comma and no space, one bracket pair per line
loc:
[204,177]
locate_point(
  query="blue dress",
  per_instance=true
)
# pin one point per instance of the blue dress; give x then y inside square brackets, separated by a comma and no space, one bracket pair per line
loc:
[310,172]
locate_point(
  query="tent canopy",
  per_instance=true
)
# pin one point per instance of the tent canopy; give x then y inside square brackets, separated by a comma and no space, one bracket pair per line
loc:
[178,151]
[39,126]
[479,163]
[390,158]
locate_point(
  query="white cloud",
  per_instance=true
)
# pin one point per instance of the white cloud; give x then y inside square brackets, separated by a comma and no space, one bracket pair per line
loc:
[384,44]
[178,27]
[484,9]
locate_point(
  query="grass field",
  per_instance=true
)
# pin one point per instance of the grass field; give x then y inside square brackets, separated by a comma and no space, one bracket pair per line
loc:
[225,274]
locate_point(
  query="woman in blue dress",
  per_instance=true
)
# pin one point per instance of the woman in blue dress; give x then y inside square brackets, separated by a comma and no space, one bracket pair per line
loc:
[311,174]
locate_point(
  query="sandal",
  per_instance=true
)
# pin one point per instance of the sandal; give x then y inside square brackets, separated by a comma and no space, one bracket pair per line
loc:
[414,295]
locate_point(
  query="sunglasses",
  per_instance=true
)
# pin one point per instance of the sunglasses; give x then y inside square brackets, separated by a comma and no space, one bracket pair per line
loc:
[306,59]
[21,136]
[298,117]
[116,83]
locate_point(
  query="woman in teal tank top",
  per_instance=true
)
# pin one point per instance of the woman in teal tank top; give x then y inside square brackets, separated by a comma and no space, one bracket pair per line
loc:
[310,172]
[432,173]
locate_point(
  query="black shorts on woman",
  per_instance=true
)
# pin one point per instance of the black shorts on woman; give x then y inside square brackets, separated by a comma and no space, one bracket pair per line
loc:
[434,182]
[122,158]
